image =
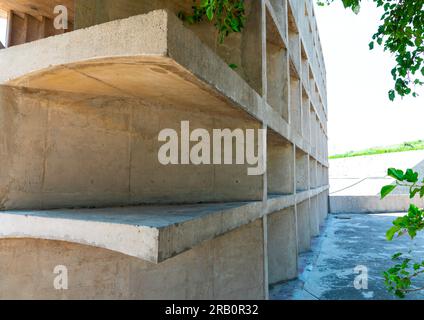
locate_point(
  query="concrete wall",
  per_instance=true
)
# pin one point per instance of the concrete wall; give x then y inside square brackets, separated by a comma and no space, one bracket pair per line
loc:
[316,210]
[75,141]
[305,222]
[372,204]
[228,267]
[282,246]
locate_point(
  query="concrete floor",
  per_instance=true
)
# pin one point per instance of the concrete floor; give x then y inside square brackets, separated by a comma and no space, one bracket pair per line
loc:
[347,241]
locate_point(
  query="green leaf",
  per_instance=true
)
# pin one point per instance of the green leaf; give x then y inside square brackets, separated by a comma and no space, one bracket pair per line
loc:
[209,13]
[391,232]
[411,176]
[396,174]
[386,190]
[397,256]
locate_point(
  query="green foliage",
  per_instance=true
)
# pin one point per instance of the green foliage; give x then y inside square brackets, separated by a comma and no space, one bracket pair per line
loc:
[399,278]
[228,16]
[401,33]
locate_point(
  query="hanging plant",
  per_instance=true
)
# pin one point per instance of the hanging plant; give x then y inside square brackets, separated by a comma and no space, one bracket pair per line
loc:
[228,16]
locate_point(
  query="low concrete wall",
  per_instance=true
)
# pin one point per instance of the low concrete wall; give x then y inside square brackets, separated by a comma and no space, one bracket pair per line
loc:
[228,267]
[372,204]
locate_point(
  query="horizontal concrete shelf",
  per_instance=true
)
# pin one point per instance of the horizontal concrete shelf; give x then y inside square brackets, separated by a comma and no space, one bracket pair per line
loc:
[151,233]
[280,202]
[165,63]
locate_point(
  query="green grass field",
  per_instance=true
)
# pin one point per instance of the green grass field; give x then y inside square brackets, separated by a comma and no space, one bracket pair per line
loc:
[403,147]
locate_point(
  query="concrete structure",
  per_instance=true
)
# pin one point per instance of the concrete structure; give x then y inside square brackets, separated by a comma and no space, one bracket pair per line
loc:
[80,181]
[356,183]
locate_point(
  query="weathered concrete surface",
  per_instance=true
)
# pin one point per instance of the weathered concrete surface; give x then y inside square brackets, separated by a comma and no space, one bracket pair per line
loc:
[348,241]
[228,267]
[302,174]
[81,129]
[76,141]
[279,202]
[304,230]
[239,48]
[282,246]
[151,233]
[280,168]
[372,203]
[315,218]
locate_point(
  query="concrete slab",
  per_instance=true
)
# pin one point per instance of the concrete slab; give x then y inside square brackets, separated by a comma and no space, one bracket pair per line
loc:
[151,233]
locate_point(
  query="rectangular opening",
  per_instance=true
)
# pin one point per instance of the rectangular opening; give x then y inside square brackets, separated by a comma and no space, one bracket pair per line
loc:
[294,39]
[305,65]
[306,116]
[315,216]
[312,173]
[280,165]
[277,70]
[320,175]
[312,125]
[302,179]
[315,134]
[295,101]
[282,247]
[280,9]
[303,226]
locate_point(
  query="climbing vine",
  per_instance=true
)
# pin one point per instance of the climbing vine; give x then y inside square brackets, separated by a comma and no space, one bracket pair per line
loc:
[228,16]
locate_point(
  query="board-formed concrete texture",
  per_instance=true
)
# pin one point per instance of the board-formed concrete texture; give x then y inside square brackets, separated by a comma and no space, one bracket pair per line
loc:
[81,185]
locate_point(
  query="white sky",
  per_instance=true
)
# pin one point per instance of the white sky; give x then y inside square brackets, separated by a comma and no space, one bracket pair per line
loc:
[2,30]
[360,113]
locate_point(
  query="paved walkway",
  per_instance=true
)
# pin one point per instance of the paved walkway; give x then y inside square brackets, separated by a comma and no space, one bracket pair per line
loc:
[347,241]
